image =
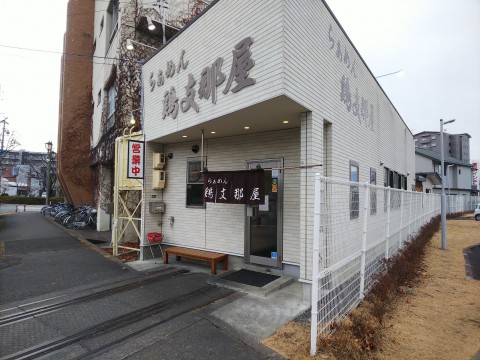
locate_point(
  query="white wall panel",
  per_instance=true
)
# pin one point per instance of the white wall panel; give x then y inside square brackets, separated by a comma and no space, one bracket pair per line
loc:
[221,227]
[214,35]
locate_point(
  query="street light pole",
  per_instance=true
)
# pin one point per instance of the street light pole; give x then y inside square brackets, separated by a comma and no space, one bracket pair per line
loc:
[48,146]
[443,200]
[4,121]
[449,178]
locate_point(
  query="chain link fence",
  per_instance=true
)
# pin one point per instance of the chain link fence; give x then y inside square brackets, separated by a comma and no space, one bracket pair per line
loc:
[356,227]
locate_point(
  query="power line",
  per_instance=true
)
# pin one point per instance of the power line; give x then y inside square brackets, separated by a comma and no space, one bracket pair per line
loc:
[62,53]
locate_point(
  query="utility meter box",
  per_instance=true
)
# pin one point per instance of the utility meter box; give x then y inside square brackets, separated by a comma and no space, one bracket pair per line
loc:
[158,160]
[158,179]
[156,207]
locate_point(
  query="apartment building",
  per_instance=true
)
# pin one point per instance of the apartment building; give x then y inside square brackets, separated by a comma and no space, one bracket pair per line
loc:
[101,89]
[456,146]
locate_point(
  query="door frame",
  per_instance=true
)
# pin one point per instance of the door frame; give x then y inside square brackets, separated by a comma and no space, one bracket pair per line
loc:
[257,260]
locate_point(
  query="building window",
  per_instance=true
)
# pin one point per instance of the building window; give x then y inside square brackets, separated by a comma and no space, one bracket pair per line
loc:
[99,97]
[113,10]
[459,171]
[112,93]
[434,137]
[373,191]
[195,182]
[354,190]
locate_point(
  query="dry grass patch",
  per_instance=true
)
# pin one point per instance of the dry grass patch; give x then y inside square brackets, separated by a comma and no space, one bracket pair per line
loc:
[423,307]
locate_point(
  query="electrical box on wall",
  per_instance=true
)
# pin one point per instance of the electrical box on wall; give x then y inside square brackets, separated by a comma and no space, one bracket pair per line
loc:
[158,179]
[156,207]
[158,160]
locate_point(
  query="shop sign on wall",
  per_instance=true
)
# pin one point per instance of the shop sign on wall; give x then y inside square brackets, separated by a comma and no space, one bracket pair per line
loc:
[135,159]
[355,103]
[475,169]
[234,187]
[209,80]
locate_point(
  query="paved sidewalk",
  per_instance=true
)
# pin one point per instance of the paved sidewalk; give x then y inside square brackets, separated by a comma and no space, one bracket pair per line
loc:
[49,265]
[43,259]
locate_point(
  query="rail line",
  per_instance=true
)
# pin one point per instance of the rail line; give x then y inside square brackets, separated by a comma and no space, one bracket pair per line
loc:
[115,323]
[28,314]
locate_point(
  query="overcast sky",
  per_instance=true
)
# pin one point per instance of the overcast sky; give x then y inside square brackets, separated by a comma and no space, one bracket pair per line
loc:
[436,43]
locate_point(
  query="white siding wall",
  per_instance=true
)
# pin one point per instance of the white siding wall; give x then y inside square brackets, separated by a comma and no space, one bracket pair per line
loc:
[221,227]
[292,57]
[313,78]
[423,164]
[464,180]
[214,35]
[313,75]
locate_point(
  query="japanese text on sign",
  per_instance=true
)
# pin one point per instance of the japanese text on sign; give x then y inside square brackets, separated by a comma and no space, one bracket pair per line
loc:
[210,79]
[135,159]
[234,187]
[353,100]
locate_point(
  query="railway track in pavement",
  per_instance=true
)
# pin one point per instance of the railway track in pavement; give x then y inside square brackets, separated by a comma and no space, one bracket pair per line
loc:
[89,324]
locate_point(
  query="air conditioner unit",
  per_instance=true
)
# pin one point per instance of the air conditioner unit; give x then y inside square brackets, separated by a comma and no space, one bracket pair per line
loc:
[158,160]
[158,179]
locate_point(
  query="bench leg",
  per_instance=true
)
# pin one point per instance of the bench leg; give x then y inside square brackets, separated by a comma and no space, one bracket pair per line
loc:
[225,263]
[178,258]
[165,257]
[214,267]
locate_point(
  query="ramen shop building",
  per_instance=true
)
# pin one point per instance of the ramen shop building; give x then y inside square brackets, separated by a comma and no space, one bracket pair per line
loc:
[275,87]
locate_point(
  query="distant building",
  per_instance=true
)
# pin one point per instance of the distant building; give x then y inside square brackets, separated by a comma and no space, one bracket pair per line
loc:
[458,175]
[456,146]
[28,171]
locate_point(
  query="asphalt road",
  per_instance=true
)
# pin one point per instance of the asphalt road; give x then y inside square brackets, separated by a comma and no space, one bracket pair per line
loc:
[61,299]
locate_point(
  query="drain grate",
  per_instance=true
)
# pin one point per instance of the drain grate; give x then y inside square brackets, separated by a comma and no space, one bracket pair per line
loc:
[251,278]
[472,261]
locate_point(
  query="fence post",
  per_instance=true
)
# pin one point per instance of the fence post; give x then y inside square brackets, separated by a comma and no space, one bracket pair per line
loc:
[388,223]
[315,259]
[410,214]
[400,243]
[364,240]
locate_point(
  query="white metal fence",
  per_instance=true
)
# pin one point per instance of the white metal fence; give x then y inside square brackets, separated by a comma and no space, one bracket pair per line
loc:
[356,227]
[459,203]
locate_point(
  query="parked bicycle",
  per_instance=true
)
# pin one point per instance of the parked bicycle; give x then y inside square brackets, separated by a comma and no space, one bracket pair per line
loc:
[70,216]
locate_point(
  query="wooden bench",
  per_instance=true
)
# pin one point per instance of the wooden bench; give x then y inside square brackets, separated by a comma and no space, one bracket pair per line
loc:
[201,255]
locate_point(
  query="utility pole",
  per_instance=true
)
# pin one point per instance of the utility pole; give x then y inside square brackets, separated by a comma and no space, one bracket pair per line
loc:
[4,121]
[48,146]
[443,215]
